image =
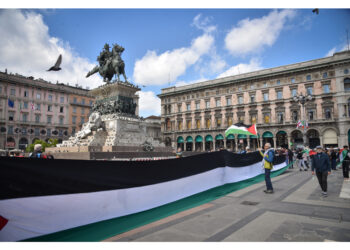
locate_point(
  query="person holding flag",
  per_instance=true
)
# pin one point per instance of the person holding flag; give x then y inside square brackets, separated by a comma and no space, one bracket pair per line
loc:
[268,157]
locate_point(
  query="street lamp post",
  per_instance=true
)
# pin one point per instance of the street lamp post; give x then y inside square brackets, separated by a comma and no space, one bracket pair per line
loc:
[303,99]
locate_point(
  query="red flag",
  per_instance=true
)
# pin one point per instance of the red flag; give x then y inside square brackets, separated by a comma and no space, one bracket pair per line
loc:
[3,222]
[252,129]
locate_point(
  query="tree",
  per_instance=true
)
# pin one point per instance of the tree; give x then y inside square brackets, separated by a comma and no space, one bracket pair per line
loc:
[44,144]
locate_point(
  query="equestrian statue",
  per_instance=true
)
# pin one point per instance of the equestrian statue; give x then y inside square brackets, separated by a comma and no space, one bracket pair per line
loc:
[110,63]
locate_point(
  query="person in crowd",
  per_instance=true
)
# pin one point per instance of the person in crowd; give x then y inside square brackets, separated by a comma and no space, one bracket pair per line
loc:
[333,158]
[346,162]
[37,152]
[305,159]
[49,156]
[322,165]
[290,156]
[301,160]
[248,150]
[268,157]
[179,153]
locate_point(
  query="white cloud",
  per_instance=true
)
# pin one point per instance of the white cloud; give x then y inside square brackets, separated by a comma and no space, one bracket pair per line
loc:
[149,103]
[337,49]
[203,23]
[253,35]
[242,68]
[155,69]
[183,83]
[27,48]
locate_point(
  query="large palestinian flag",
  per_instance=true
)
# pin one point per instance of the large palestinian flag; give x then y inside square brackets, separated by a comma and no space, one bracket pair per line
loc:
[76,200]
[342,154]
[241,129]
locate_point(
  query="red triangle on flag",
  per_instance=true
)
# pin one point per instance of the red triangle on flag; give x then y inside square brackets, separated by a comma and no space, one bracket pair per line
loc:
[252,129]
[3,222]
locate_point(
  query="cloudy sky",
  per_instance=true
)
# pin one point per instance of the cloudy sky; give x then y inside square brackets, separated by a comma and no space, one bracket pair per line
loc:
[166,47]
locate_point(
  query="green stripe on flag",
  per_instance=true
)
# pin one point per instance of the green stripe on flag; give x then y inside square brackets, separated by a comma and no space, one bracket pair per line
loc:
[105,229]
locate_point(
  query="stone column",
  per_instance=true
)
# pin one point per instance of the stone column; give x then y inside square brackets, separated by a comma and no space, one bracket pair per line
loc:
[224,143]
[274,141]
[236,143]
[248,141]
[288,138]
[214,143]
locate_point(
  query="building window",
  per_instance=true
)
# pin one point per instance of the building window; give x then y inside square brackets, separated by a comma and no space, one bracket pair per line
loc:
[60,132]
[265,84]
[90,103]
[180,125]
[25,93]
[179,108]
[74,100]
[61,109]
[207,123]
[10,130]
[240,99]
[25,105]
[266,97]
[207,104]
[48,131]
[295,115]
[13,92]
[36,132]
[11,116]
[252,98]
[346,71]
[24,131]
[74,119]
[279,95]
[61,99]
[347,84]
[311,115]
[50,98]
[309,90]
[294,92]
[82,111]
[197,105]
[188,107]
[218,103]
[292,80]
[218,122]
[49,119]
[61,120]
[83,101]
[0,89]
[38,96]
[328,113]
[229,123]
[267,118]
[37,118]
[38,106]
[241,118]
[198,124]
[189,125]
[308,78]
[253,119]
[252,86]
[278,82]
[228,101]
[326,88]
[324,75]
[49,108]
[24,117]
[280,117]
[73,131]
[74,110]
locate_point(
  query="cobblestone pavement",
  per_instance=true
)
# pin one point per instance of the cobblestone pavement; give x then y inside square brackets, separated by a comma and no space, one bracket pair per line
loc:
[295,212]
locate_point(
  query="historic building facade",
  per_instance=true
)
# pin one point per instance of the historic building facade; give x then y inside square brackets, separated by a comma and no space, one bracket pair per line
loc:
[33,109]
[196,116]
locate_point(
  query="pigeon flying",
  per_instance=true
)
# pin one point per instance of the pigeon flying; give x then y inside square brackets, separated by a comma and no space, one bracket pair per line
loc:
[56,67]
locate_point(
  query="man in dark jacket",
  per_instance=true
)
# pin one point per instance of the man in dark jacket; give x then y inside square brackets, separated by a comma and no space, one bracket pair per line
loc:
[322,164]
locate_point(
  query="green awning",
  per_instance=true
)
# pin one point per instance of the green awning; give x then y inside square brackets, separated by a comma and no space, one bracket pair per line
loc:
[267,134]
[230,137]
[253,136]
[219,137]
[208,138]
[180,139]
[199,138]
[282,132]
[189,139]
[242,136]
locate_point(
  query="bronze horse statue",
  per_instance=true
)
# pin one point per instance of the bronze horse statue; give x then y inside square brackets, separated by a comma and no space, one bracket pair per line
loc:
[110,64]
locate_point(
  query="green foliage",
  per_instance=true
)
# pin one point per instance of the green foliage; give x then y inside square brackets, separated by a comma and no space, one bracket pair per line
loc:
[44,144]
